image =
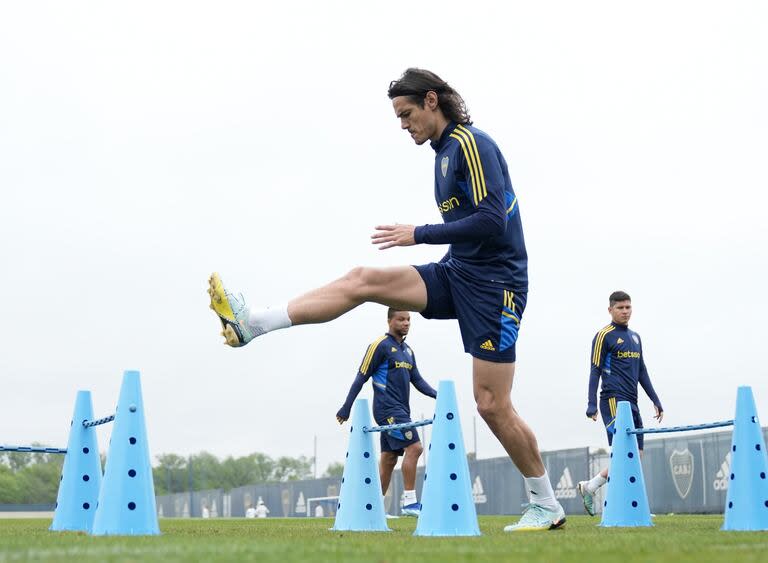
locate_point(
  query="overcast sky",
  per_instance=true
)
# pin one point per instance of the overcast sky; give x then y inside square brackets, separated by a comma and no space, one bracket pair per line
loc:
[144,145]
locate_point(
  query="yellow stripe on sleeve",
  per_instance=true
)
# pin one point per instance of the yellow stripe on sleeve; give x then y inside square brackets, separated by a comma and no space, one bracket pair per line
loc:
[473,145]
[467,157]
[599,344]
[369,354]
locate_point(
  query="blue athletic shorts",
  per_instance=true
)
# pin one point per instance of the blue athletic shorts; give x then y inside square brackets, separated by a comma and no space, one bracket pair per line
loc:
[489,314]
[608,412]
[396,441]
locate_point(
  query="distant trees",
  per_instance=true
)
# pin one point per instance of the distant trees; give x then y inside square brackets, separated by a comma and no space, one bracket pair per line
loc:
[175,474]
[27,478]
[335,469]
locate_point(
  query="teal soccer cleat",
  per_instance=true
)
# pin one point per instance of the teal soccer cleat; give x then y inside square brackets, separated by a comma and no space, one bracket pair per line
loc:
[536,518]
[232,313]
[587,497]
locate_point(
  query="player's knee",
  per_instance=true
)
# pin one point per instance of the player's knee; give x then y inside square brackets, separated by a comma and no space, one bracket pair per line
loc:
[485,409]
[491,409]
[389,459]
[361,279]
[485,405]
[414,450]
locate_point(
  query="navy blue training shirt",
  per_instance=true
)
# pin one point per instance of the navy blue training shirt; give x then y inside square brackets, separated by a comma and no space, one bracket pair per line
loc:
[617,358]
[480,211]
[392,367]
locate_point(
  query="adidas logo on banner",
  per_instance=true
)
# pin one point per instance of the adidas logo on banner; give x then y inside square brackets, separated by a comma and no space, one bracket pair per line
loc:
[721,479]
[488,345]
[301,506]
[478,495]
[565,488]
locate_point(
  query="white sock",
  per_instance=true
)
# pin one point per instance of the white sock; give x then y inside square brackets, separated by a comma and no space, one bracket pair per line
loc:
[267,320]
[595,483]
[540,491]
[409,497]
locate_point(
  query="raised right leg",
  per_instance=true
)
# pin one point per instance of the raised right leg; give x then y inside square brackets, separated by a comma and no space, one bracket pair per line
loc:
[401,287]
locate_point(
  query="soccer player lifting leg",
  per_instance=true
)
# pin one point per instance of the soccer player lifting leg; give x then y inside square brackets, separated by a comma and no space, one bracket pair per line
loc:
[482,281]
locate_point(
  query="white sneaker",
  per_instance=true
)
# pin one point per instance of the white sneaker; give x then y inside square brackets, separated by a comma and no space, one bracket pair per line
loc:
[413,509]
[536,518]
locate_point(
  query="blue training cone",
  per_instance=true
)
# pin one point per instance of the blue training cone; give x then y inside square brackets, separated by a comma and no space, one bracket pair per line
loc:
[127,497]
[746,504]
[361,506]
[626,502]
[447,506]
[81,474]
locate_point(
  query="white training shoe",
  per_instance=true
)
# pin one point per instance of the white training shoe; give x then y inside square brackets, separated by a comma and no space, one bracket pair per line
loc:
[536,518]
[413,509]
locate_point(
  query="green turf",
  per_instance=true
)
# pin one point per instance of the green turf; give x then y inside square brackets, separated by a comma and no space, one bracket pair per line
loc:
[674,538]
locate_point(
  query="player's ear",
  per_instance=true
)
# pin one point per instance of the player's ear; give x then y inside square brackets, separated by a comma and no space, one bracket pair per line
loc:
[430,100]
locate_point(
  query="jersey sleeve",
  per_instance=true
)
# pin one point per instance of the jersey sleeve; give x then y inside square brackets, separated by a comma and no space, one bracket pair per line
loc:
[420,383]
[373,357]
[479,161]
[354,391]
[645,382]
[482,168]
[596,368]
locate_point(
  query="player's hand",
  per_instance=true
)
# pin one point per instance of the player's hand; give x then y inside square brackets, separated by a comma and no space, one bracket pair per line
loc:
[340,420]
[388,236]
[659,413]
[594,416]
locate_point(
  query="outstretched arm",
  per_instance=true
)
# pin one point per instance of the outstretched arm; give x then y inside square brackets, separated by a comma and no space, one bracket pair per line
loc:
[484,224]
[420,383]
[645,383]
[373,357]
[354,391]
[596,367]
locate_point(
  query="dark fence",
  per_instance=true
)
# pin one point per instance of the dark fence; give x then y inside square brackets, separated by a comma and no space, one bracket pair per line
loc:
[684,473]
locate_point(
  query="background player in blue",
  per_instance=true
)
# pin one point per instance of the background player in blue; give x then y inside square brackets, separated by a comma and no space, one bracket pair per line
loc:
[391,364]
[617,358]
[482,281]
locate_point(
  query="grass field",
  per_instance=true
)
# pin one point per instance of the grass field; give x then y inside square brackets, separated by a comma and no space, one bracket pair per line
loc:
[674,538]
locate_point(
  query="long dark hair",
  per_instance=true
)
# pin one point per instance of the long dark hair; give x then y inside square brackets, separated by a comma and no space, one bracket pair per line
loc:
[416,82]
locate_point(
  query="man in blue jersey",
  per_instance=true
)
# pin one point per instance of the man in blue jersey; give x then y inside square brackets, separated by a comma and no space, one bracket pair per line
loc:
[617,358]
[482,281]
[391,364]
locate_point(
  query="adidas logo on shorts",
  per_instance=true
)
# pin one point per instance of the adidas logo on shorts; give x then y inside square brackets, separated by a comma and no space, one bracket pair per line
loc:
[488,345]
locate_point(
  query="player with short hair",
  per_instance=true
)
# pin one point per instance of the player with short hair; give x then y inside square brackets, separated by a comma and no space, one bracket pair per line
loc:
[391,365]
[482,281]
[617,358]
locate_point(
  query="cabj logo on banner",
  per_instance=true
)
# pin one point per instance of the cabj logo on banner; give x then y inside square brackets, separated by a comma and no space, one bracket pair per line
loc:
[681,465]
